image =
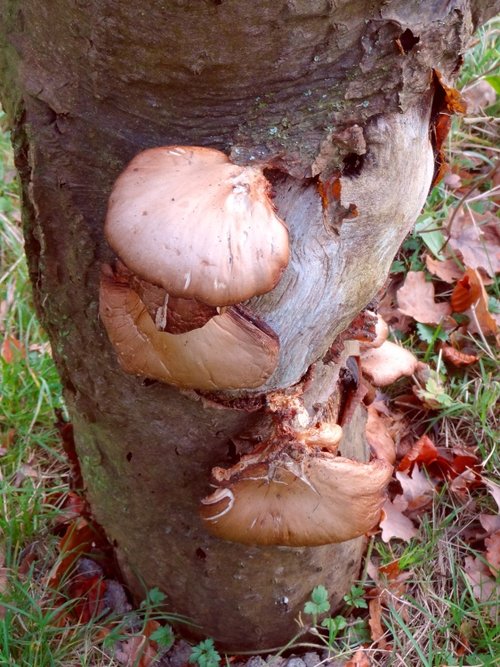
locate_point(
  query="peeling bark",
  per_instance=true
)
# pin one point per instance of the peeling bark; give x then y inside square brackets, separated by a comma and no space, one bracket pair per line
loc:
[322,93]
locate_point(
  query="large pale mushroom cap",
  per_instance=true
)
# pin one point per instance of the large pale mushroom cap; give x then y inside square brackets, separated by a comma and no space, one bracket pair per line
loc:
[387,363]
[322,500]
[231,351]
[187,219]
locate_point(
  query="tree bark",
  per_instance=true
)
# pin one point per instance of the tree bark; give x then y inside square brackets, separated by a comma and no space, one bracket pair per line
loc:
[314,90]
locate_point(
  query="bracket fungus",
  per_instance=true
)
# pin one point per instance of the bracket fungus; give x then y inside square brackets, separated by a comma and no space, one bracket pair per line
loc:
[300,494]
[195,235]
[231,350]
[187,219]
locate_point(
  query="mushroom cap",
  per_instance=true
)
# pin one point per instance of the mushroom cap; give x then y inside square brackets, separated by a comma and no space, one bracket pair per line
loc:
[187,219]
[322,500]
[381,333]
[387,363]
[231,351]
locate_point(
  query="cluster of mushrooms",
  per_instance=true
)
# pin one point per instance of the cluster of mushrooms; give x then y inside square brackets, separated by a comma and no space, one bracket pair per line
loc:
[172,309]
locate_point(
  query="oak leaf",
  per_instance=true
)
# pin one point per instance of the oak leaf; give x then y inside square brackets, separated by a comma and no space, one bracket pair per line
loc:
[447,270]
[359,659]
[456,357]
[423,451]
[394,523]
[477,238]
[492,544]
[416,298]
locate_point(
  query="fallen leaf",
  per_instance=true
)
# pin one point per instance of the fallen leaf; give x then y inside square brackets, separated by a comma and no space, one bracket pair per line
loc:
[494,489]
[492,544]
[25,471]
[490,522]
[453,181]
[359,659]
[452,462]
[477,238]
[453,100]
[446,270]
[461,484]
[388,309]
[466,292]
[73,507]
[484,587]
[456,357]
[417,489]
[12,349]
[416,299]
[68,442]
[136,652]
[423,451]
[378,435]
[80,538]
[377,632]
[478,313]
[478,96]
[394,523]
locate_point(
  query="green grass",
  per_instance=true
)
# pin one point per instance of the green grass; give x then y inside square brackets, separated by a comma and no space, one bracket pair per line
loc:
[439,612]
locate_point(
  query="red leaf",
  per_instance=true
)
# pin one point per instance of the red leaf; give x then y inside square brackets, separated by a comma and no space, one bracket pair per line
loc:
[89,595]
[456,357]
[423,451]
[78,539]
[465,293]
[12,349]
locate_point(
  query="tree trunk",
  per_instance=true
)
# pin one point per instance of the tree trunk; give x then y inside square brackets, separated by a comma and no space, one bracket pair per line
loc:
[318,92]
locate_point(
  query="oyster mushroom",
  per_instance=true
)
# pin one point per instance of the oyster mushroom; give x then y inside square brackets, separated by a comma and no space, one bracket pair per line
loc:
[318,500]
[387,363]
[232,350]
[187,219]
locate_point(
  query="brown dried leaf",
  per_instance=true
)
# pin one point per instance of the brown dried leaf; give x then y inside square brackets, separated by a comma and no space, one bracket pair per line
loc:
[447,270]
[359,659]
[484,587]
[24,471]
[490,522]
[417,489]
[416,298]
[12,349]
[378,435]
[377,632]
[494,489]
[479,96]
[136,652]
[477,238]
[394,523]
[492,544]
[466,292]
[423,451]
[461,484]
[456,357]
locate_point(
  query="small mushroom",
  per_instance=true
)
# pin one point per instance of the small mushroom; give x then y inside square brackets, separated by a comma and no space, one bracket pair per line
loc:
[231,351]
[318,500]
[381,333]
[387,363]
[187,219]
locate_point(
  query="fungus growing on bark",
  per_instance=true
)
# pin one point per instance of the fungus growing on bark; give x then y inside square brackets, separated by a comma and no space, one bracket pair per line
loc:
[387,363]
[319,499]
[187,219]
[232,350]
